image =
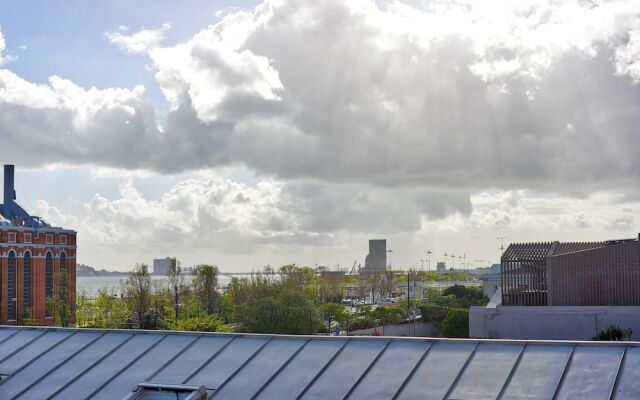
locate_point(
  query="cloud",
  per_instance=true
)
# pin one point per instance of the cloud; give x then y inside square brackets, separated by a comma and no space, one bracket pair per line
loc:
[599,211]
[450,96]
[4,58]
[139,42]
[627,57]
[61,122]
[222,220]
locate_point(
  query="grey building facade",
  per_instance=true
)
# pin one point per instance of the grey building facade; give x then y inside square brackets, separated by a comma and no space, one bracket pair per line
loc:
[376,260]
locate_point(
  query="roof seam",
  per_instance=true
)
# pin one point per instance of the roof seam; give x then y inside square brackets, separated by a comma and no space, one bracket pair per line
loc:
[413,371]
[207,361]
[23,346]
[10,336]
[242,365]
[366,371]
[100,387]
[564,373]
[282,367]
[461,372]
[324,368]
[37,357]
[98,361]
[505,385]
[172,359]
[623,357]
[58,366]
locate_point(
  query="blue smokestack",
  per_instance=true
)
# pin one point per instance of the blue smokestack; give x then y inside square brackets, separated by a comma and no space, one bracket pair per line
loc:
[9,192]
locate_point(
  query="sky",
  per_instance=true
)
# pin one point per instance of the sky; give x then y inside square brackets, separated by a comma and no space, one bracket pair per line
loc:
[247,133]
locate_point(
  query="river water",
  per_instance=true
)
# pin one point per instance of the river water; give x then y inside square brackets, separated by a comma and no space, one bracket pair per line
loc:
[92,284]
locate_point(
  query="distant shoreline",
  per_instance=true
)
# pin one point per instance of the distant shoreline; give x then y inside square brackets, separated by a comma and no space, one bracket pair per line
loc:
[101,273]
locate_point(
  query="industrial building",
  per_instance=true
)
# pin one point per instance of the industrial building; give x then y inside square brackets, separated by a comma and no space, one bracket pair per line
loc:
[376,260]
[120,364]
[32,253]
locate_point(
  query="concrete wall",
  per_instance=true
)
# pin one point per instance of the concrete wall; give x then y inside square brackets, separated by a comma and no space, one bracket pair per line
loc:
[419,329]
[551,322]
[490,286]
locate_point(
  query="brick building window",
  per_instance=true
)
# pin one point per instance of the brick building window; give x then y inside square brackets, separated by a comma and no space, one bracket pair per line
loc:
[63,261]
[11,286]
[26,284]
[48,238]
[48,280]
[27,237]
[11,237]
[63,239]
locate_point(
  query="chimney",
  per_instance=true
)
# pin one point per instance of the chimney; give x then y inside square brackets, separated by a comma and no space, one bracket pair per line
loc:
[9,192]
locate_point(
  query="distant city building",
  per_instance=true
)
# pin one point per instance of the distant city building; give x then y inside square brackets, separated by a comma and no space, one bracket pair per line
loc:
[441,267]
[376,260]
[32,253]
[161,266]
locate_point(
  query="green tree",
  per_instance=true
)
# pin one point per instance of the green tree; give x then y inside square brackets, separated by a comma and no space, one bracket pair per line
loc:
[389,314]
[265,303]
[175,278]
[58,305]
[456,325]
[433,314]
[104,311]
[334,312]
[205,286]
[137,289]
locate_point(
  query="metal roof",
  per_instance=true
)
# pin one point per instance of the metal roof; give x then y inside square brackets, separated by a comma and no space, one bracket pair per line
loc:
[533,252]
[52,363]
[527,252]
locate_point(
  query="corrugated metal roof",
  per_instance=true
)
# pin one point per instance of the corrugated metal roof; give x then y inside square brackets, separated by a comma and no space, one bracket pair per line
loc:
[531,252]
[45,363]
[573,247]
[527,252]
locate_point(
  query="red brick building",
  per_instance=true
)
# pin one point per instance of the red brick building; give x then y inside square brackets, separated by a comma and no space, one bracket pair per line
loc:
[32,254]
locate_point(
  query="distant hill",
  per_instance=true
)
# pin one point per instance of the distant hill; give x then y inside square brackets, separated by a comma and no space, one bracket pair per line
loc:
[85,270]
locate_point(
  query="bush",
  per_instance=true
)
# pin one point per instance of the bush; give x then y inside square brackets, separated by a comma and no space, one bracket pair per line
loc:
[613,333]
[361,323]
[456,325]
[206,323]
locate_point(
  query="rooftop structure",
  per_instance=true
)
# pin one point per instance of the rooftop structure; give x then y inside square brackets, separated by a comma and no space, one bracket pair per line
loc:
[572,274]
[32,253]
[111,364]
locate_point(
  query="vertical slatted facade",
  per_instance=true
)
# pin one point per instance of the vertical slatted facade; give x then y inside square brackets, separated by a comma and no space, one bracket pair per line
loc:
[605,276]
[524,279]
[572,274]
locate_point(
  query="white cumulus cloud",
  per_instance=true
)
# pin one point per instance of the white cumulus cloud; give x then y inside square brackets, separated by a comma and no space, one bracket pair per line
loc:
[139,42]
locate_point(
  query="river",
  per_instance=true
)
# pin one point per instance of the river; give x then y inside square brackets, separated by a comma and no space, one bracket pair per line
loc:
[92,284]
